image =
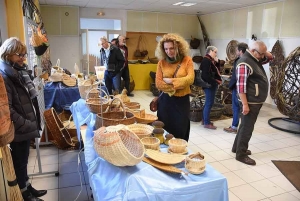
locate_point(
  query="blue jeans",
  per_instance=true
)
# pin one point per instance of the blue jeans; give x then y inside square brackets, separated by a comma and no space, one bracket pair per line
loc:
[112,79]
[235,109]
[209,101]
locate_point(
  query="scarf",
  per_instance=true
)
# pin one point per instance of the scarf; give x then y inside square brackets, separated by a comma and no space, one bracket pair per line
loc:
[175,60]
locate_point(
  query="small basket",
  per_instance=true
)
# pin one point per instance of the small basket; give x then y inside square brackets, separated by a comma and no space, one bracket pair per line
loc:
[120,148]
[141,130]
[85,86]
[195,163]
[132,105]
[177,145]
[149,118]
[151,143]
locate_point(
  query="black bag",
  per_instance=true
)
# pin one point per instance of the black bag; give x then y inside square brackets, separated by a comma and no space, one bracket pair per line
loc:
[198,81]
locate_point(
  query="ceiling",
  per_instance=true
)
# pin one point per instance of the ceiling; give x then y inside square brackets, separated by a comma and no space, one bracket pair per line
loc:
[202,6]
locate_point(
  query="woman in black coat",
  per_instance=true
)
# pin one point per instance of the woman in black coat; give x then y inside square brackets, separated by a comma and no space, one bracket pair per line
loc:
[24,111]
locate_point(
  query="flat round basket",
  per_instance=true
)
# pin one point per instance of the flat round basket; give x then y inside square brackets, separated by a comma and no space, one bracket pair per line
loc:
[132,105]
[141,130]
[177,145]
[69,81]
[195,163]
[151,143]
[149,118]
[231,49]
[120,148]
[165,158]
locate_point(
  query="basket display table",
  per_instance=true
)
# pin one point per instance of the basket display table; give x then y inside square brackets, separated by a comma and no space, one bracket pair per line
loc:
[143,181]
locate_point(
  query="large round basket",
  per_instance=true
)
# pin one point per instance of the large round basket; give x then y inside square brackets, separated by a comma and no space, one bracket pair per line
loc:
[85,86]
[151,143]
[149,118]
[141,130]
[195,163]
[120,148]
[177,145]
[111,118]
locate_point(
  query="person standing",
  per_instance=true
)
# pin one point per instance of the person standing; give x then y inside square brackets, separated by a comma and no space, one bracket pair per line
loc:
[252,87]
[112,58]
[24,111]
[174,76]
[210,74]
[125,74]
[241,48]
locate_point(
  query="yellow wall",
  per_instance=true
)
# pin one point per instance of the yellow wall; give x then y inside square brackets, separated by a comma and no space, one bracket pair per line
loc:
[15,25]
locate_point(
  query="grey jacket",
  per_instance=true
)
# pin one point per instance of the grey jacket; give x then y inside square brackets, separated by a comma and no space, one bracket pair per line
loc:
[22,111]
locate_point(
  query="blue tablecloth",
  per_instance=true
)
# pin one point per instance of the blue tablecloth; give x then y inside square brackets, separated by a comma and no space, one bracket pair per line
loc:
[143,182]
[59,96]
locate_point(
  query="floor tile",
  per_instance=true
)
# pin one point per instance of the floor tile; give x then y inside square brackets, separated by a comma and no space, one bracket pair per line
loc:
[71,193]
[220,155]
[295,193]
[233,164]
[219,167]
[49,159]
[207,147]
[247,193]
[266,170]
[70,167]
[70,156]
[248,175]
[283,182]
[71,179]
[233,180]
[223,144]
[283,197]
[51,195]
[267,188]
[45,182]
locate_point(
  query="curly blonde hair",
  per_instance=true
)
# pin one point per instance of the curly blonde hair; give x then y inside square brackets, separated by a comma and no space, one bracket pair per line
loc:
[181,46]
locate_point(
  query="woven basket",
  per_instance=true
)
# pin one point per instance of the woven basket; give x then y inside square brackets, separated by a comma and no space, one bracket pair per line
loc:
[110,118]
[61,136]
[120,148]
[85,86]
[216,111]
[177,145]
[228,110]
[149,118]
[6,138]
[69,81]
[132,105]
[195,112]
[151,143]
[141,130]
[165,158]
[55,77]
[163,167]
[195,163]
[99,104]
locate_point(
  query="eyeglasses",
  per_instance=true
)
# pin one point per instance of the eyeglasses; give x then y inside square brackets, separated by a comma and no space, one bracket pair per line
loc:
[21,56]
[261,54]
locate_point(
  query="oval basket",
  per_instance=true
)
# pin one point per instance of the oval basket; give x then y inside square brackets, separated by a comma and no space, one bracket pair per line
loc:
[151,143]
[110,118]
[132,105]
[120,148]
[177,145]
[195,163]
[149,118]
[141,130]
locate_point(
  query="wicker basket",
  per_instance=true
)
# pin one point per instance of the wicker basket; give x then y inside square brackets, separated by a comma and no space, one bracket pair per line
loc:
[6,138]
[120,148]
[177,145]
[165,158]
[195,163]
[61,136]
[85,86]
[69,81]
[110,118]
[228,110]
[149,118]
[132,105]
[151,143]
[141,130]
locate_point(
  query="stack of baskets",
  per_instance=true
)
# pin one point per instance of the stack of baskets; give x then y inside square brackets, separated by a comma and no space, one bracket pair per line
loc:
[120,148]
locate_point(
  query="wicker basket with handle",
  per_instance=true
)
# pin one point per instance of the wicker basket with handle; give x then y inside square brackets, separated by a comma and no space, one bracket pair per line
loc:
[120,148]
[97,105]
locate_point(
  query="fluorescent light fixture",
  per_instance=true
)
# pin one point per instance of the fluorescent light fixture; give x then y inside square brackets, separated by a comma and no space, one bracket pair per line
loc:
[178,3]
[188,4]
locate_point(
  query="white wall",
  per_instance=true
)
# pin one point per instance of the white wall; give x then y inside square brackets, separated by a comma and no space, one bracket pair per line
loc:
[3,21]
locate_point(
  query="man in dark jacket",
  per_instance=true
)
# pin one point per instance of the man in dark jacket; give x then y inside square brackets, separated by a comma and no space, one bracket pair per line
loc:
[112,58]
[241,48]
[24,111]
[252,87]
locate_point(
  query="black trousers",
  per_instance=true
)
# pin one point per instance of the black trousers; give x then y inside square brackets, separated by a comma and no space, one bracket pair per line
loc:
[126,77]
[174,113]
[20,154]
[241,142]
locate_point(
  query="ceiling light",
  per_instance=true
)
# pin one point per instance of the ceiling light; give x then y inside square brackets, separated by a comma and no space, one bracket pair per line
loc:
[188,4]
[100,13]
[178,3]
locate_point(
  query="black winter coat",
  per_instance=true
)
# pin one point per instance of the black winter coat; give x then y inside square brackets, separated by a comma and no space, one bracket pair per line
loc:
[115,58]
[210,71]
[22,111]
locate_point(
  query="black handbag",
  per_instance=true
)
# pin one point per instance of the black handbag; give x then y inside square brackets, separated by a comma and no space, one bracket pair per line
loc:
[198,81]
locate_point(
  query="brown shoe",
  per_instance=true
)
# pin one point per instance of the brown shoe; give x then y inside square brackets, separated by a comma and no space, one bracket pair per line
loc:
[248,152]
[230,130]
[247,160]
[209,126]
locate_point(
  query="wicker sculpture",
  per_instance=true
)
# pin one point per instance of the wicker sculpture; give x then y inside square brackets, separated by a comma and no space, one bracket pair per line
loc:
[288,86]
[275,67]
[231,50]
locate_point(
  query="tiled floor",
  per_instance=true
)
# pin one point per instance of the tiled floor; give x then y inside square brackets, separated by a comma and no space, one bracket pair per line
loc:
[261,182]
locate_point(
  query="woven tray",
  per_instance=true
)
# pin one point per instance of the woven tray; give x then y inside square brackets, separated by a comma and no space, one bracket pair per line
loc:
[164,167]
[141,130]
[149,118]
[165,158]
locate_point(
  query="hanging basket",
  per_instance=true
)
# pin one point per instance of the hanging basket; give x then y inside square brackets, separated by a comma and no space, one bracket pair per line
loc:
[120,148]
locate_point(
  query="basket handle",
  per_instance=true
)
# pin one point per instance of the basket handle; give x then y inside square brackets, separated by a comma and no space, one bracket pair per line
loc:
[87,94]
[122,105]
[58,62]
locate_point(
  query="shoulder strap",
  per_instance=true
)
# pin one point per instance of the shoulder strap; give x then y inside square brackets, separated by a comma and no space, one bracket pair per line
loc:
[177,68]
